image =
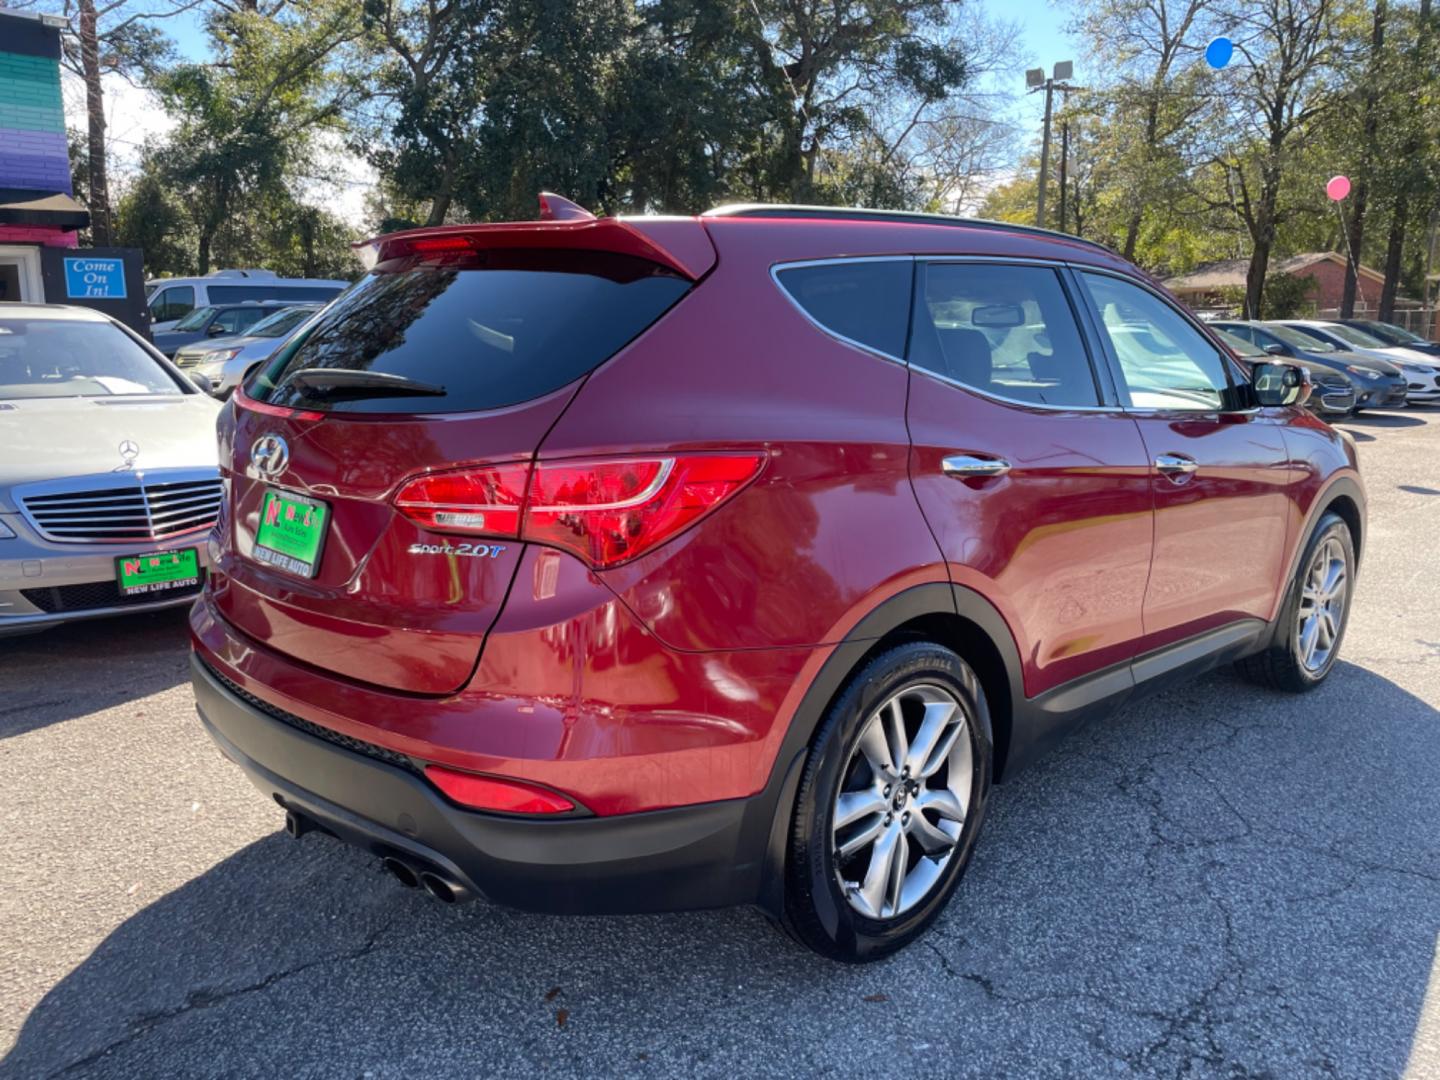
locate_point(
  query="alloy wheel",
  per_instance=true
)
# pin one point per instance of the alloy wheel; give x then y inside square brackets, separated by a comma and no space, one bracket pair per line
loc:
[903,799]
[1322,605]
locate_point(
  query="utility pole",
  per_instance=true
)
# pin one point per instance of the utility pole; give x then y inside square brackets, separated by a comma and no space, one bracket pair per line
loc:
[1064,165]
[1035,79]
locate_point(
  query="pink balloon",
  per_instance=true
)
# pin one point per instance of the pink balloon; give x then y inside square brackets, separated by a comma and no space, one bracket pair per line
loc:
[1338,187]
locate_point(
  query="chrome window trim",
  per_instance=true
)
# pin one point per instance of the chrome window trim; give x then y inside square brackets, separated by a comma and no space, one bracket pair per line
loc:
[778,268]
[1000,399]
[985,395]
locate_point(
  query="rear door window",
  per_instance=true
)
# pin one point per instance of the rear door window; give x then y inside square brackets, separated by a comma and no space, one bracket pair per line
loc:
[494,329]
[1007,331]
[859,300]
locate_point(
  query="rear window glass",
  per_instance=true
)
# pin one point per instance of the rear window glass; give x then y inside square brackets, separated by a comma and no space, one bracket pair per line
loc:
[494,330]
[866,302]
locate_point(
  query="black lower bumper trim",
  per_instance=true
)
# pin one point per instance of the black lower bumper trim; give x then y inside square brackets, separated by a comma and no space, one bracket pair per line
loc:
[692,857]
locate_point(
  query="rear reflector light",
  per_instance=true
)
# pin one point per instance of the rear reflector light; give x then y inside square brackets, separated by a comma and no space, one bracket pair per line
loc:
[607,511]
[485,501]
[492,793]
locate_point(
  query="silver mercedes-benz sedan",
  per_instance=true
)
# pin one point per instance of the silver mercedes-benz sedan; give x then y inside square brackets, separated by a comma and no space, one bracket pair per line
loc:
[108,478]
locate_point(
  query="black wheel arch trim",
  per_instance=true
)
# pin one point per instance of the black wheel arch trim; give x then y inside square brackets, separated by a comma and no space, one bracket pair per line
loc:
[917,602]
[1344,485]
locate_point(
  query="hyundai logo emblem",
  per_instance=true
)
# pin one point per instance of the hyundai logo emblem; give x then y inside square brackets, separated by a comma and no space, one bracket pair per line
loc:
[270,455]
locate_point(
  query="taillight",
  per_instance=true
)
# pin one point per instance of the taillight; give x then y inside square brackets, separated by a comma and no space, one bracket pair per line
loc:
[607,511]
[485,501]
[493,793]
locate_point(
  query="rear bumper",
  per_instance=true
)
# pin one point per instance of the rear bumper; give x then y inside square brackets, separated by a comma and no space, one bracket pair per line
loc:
[702,856]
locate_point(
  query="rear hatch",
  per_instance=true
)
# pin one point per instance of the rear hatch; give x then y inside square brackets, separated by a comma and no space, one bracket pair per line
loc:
[489,330]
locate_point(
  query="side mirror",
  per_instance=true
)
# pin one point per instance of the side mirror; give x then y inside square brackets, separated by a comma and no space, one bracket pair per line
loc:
[1277,350]
[214,330]
[1280,384]
[202,381]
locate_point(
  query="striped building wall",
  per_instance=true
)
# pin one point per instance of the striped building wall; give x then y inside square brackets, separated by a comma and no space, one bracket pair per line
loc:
[32,124]
[33,155]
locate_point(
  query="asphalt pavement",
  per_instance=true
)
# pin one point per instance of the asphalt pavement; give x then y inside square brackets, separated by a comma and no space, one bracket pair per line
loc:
[1220,881]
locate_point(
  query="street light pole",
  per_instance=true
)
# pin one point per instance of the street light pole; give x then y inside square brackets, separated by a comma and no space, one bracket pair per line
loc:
[1045,155]
[1035,79]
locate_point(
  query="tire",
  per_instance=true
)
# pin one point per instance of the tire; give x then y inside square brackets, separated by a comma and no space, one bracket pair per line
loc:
[1290,662]
[910,809]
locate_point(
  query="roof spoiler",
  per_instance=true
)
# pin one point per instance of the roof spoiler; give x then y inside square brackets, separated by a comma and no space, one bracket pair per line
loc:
[679,244]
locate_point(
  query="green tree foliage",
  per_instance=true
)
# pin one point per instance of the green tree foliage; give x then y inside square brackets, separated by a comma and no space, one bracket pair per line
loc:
[247,128]
[670,105]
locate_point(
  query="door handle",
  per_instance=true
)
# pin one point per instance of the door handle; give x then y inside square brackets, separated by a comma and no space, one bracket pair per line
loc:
[968,465]
[1177,467]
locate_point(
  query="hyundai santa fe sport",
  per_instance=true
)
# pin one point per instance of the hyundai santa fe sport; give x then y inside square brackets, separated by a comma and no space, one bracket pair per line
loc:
[634,564]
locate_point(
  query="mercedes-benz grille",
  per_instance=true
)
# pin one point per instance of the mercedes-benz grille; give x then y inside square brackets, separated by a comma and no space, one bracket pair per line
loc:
[124,508]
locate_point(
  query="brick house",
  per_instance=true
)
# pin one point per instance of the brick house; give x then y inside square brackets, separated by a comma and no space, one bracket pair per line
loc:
[1212,286]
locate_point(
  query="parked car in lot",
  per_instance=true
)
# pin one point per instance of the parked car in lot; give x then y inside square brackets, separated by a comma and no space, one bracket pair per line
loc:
[224,360]
[1422,376]
[207,324]
[171,299]
[1334,391]
[1378,383]
[108,479]
[544,577]
[1395,335]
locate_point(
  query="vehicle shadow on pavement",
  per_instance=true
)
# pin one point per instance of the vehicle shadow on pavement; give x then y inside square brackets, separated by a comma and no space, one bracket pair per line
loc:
[1387,419]
[1220,880]
[73,670]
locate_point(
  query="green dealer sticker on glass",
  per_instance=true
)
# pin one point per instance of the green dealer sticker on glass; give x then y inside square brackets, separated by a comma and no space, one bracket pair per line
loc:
[291,532]
[157,571]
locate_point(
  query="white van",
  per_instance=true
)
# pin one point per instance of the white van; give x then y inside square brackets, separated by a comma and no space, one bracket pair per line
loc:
[171,299]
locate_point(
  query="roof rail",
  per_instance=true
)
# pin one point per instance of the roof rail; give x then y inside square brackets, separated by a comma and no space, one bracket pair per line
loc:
[852,213]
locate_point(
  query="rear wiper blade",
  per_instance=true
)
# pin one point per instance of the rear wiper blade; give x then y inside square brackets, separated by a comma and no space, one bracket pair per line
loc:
[331,382]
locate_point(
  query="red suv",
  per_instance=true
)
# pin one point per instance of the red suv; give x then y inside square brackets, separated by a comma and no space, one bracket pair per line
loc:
[629,564]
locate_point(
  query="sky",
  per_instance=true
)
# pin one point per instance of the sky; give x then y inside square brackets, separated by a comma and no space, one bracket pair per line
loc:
[133,115]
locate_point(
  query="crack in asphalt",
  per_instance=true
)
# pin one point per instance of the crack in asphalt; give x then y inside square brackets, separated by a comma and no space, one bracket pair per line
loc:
[203,998]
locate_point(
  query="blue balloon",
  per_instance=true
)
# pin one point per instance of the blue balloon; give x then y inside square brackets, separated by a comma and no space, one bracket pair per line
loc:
[1219,52]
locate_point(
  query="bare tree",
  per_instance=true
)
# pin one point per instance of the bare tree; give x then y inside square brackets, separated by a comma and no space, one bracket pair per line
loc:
[1272,99]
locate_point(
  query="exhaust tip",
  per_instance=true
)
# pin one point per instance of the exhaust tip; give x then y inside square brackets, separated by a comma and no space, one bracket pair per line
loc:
[401,872]
[438,887]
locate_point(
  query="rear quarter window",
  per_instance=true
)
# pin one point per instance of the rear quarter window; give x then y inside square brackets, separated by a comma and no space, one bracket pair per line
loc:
[864,301]
[494,329]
